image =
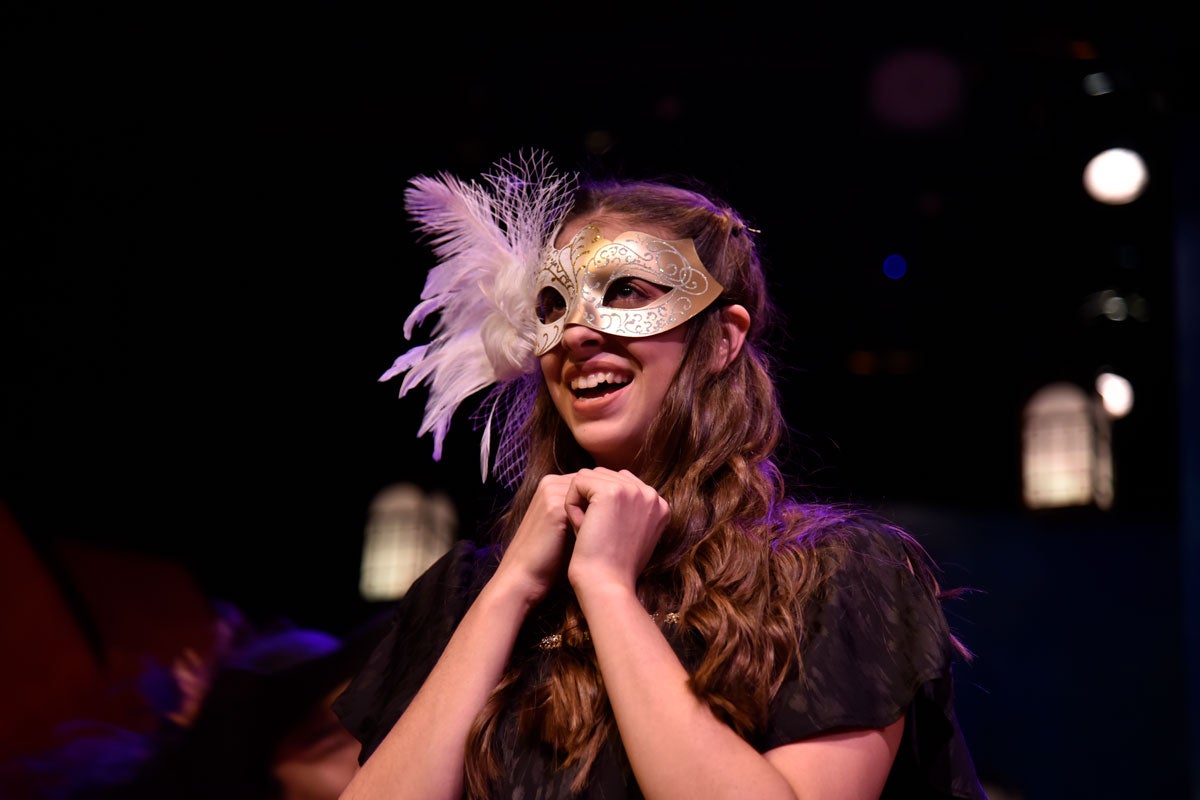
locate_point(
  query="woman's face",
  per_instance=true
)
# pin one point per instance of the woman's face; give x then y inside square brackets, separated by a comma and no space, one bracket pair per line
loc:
[609,388]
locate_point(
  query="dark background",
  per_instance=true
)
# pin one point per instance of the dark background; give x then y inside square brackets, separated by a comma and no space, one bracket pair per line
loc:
[206,266]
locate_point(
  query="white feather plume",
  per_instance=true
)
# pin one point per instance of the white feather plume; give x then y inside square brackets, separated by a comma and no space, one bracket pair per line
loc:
[488,240]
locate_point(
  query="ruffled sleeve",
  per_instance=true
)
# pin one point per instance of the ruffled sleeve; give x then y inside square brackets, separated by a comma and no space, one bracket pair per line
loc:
[421,626]
[876,645]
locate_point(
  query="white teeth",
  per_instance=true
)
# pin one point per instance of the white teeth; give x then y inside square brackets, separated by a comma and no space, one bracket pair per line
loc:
[595,379]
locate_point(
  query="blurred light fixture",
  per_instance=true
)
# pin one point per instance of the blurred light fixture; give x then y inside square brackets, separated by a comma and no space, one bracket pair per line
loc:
[1066,449]
[1097,83]
[1115,176]
[407,530]
[1112,305]
[1116,393]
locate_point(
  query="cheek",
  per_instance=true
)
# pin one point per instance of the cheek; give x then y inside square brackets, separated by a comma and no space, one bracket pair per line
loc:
[551,370]
[660,356]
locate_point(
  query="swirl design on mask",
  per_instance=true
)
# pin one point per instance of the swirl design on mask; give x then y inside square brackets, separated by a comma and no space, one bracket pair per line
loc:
[634,285]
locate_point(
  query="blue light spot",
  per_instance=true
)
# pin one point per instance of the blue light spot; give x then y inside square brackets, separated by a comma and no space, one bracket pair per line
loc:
[894,266]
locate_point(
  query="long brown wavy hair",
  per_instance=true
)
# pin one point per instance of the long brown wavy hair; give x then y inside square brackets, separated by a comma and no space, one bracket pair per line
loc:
[737,560]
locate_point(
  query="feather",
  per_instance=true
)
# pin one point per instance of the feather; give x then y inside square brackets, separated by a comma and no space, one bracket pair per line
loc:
[488,239]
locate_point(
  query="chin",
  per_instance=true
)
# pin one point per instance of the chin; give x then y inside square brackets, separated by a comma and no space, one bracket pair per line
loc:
[608,456]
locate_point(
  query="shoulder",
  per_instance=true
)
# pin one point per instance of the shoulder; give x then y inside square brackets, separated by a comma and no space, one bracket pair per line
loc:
[861,570]
[874,644]
[461,569]
[871,627]
[847,536]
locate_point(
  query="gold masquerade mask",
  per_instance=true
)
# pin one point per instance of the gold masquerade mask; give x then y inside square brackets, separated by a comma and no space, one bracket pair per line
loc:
[635,285]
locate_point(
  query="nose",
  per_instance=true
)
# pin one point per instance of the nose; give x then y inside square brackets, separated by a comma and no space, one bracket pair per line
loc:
[578,338]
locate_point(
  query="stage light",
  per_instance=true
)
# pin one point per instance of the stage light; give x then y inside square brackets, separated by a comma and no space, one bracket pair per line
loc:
[895,266]
[1115,176]
[1116,393]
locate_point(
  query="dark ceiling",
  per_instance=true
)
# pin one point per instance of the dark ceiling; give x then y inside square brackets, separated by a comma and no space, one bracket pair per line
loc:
[207,263]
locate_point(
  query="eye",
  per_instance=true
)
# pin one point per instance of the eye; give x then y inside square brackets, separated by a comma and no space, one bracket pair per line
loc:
[632,293]
[550,306]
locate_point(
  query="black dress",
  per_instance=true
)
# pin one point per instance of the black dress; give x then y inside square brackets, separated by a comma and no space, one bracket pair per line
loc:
[876,646]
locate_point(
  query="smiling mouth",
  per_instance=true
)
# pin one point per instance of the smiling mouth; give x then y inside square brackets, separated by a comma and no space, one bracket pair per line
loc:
[598,385]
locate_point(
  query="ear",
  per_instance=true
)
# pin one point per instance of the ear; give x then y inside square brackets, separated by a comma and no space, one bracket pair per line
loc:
[735,322]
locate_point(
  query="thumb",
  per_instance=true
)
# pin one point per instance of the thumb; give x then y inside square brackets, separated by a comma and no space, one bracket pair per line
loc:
[575,515]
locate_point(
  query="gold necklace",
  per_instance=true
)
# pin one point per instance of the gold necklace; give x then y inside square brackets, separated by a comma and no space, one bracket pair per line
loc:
[554,640]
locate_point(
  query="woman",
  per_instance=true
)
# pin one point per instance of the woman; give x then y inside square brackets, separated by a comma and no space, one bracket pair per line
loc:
[657,617]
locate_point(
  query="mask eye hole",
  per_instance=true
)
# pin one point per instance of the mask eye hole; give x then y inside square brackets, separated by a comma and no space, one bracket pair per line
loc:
[632,293]
[550,306]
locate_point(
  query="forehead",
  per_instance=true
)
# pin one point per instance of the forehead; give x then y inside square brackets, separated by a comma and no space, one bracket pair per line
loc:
[610,228]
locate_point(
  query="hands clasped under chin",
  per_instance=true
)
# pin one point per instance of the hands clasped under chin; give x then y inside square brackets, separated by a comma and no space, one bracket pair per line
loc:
[616,520]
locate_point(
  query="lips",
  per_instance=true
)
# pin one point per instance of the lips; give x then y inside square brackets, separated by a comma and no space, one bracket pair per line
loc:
[597,384]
